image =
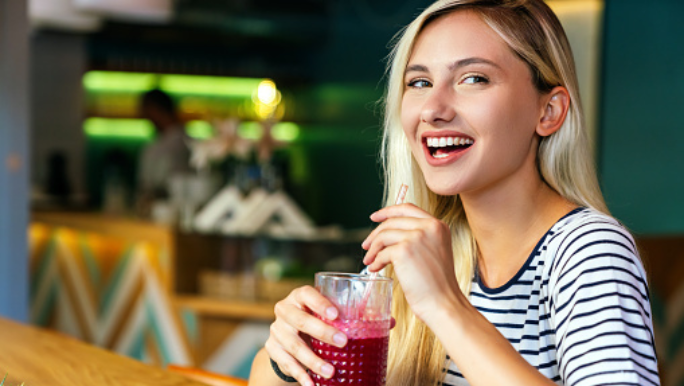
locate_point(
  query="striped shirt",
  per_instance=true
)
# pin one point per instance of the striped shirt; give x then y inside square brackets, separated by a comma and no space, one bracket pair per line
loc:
[578,310]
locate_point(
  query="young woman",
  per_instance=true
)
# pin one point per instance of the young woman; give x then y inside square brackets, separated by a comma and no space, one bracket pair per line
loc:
[509,269]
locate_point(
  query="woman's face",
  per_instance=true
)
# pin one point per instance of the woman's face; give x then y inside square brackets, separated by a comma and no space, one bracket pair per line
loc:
[469,108]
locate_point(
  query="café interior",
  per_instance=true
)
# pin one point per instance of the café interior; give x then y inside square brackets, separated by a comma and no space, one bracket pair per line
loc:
[279,102]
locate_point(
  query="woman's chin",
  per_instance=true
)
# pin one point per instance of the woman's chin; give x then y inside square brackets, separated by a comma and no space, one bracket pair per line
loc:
[442,189]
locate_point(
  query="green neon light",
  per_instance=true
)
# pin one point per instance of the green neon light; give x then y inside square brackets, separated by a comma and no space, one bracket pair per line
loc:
[250,130]
[132,82]
[209,85]
[199,129]
[119,81]
[285,131]
[140,129]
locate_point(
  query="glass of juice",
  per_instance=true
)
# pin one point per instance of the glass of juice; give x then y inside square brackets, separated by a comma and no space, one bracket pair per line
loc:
[363,302]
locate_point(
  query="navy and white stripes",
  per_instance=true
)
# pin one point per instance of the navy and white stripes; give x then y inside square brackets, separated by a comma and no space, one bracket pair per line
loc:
[578,310]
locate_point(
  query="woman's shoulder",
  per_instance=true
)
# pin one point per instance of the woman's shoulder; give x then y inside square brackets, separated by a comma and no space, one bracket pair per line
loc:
[587,224]
[588,236]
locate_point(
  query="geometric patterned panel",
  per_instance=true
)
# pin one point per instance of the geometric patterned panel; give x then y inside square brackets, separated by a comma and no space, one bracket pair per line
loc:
[106,291]
[235,354]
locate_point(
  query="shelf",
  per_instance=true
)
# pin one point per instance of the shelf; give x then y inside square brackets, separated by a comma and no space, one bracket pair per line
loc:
[205,306]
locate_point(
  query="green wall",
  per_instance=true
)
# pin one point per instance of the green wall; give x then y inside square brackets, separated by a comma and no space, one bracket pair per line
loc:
[641,126]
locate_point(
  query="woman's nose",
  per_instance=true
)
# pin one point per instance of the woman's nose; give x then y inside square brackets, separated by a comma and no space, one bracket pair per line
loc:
[438,107]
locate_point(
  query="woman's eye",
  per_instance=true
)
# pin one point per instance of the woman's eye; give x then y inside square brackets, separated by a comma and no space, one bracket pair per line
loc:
[474,79]
[419,83]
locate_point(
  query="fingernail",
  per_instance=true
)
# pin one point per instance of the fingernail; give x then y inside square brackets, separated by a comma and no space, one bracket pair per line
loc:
[340,338]
[327,370]
[331,313]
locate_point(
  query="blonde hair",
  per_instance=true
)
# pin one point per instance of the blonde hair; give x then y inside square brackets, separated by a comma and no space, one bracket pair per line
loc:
[565,161]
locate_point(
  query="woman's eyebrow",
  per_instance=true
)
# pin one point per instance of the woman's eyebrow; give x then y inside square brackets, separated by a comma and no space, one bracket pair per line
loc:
[454,66]
[416,68]
[474,60]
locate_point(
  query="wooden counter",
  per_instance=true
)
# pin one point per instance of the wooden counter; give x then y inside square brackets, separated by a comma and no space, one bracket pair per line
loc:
[128,228]
[39,357]
[204,306]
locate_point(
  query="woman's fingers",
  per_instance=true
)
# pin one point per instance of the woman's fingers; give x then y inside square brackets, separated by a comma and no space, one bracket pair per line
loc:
[287,364]
[391,232]
[382,259]
[405,223]
[292,321]
[294,345]
[302,321]
[308,297]
[312,299]
[402,210]
[387,239]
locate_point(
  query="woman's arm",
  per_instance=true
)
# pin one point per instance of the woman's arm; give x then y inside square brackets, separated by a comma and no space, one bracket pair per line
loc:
[601,309]
[482,354]
[419,248]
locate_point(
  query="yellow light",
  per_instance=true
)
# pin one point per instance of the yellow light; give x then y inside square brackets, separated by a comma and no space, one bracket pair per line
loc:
[139,129]
[266,92]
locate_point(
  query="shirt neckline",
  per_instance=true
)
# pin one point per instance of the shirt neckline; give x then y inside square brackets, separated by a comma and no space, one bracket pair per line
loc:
[530,258]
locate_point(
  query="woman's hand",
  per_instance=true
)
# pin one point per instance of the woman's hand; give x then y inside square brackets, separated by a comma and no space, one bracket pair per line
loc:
[288,343]
[419,248]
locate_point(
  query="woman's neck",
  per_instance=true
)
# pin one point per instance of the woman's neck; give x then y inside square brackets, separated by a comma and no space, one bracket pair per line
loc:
[507,224]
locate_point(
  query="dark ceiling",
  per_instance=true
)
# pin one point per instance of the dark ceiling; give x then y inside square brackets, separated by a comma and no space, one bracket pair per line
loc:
[237,37]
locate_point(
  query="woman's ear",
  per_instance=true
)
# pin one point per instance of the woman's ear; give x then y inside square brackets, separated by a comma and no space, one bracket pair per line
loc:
[556,106]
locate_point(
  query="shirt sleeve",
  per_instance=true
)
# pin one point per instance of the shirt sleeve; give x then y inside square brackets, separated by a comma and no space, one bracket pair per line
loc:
[601,309]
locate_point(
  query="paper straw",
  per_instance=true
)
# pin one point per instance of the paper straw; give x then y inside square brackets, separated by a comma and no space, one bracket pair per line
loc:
[401,196]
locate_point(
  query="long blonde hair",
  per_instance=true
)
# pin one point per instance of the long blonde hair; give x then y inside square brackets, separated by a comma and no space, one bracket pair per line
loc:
[564,159]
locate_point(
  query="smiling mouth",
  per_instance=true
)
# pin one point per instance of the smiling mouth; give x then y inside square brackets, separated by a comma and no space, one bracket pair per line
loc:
[443,147]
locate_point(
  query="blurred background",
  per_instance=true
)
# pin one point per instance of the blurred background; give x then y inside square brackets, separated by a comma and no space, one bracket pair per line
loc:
[165,225]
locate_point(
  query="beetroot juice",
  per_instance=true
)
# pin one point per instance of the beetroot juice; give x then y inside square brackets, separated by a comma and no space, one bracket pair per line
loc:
[363,361]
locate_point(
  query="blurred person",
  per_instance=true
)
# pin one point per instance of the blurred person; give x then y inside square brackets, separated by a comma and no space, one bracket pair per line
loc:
[508,268]
[167,156]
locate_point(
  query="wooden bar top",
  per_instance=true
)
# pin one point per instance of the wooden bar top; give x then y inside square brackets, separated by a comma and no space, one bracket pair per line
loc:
[206,306]
[40,357]
[108,225]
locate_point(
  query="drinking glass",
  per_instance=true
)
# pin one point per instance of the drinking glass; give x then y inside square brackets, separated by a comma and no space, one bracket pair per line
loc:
[364,304]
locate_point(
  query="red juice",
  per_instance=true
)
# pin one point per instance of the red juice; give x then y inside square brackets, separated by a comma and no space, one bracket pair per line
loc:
[362,361]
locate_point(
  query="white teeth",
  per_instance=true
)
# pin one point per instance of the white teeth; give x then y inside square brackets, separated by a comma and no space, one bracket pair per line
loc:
[441,155]
[448,141]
